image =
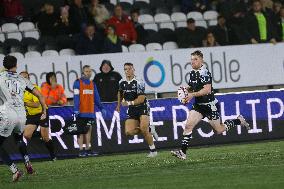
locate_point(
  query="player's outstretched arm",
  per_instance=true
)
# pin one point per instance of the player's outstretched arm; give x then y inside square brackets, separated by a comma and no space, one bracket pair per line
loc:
[41,101]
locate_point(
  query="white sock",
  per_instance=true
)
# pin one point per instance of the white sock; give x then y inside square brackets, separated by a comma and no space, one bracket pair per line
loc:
[13,168]
[27,159]
[187,133]
[152,147]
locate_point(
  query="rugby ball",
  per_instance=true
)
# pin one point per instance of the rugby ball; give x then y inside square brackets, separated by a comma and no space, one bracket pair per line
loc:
[182,93]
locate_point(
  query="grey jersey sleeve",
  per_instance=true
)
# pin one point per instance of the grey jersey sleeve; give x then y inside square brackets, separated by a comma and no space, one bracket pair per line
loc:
[205,76]
[29,85]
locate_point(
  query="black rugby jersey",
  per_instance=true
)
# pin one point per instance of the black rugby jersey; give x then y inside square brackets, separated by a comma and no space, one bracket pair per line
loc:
[199,78]
[130,90]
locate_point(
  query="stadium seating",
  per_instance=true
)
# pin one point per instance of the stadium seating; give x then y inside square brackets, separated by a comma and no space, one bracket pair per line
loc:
[114,2]
[124,49]
[14,35]
[212,22]
[162,17]
[178,16]
[127,1]
[33,34]
[154,47]
[181,24]
[32,54]
[170,45]
[2,37]
[26,26]
[10,27]
[50,53]
[167,25]
[66,52]
[136,48]
[2,57]
[145,19]
[195,15]
[146,1]
[210,15]
[151,27]
[201,23]
[18,55]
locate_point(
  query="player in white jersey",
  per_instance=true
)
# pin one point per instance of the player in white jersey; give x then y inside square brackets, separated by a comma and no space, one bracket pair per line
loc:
[12,111]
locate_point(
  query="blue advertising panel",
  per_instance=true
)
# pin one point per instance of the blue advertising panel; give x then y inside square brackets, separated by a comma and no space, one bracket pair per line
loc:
[264,111]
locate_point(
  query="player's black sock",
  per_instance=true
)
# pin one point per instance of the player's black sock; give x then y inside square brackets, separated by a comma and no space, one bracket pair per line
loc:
[230,123]
[185,142]
[22,147]
[49,145]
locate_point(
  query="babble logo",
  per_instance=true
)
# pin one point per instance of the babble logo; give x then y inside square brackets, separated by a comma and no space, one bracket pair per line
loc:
[151,62]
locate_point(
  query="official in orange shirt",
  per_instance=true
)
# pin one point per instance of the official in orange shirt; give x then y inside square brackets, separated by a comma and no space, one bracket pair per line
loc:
[53,92]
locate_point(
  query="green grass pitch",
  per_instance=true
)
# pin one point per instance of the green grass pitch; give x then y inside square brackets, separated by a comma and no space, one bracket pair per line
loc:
[253,166]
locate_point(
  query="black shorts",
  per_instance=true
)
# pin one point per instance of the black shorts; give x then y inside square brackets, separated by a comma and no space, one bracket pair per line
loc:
[134,112]
[84,123]
[211,111]
[35,120]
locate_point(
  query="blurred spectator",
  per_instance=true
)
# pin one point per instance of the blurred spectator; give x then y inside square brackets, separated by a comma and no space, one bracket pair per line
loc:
[266,5]
[259,26]
[124,27]
[195,5]
[79,15]
[141,32]
[276,7]
[107,82]
[236,25]
[88,42]
[228,8]
[13,10]
[112,43]
[280,25]
[63,24]
[46,20]
[86,98]
[276,13]
[210,40]
[99,13]
[221,32]
[52,91]
[192,36]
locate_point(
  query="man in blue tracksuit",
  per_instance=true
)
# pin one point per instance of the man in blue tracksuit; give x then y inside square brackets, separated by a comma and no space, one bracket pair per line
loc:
[86,97]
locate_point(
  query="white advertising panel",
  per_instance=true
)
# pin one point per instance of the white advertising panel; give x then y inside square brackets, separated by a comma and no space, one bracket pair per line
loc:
[165,71]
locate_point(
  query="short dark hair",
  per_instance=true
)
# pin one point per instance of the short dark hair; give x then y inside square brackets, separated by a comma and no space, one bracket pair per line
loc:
[48,76]
[86,66]
[190,21]
[128,64]
[135,11]
[197,53]
[9,62]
